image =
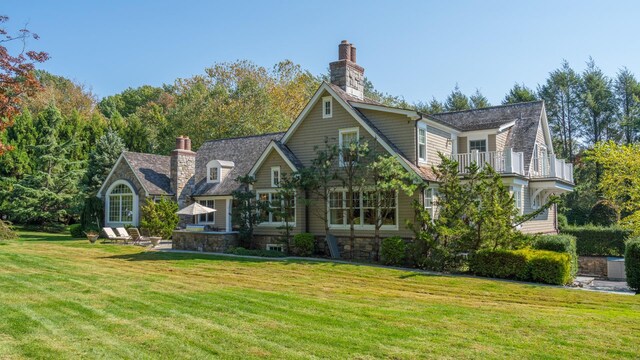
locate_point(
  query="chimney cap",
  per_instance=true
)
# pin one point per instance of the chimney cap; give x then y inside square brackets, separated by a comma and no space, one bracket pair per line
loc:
[344,42]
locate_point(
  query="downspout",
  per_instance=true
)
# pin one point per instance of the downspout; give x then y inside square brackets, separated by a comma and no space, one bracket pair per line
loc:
[306,211]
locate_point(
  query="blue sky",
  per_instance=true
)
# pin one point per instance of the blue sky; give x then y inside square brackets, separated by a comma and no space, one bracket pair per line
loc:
[417,49]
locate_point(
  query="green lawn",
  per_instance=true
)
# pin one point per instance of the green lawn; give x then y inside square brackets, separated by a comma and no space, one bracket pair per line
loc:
[63,298]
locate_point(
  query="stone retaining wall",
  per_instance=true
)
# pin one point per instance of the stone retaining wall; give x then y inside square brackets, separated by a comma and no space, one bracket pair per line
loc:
[593,266]
[204,241]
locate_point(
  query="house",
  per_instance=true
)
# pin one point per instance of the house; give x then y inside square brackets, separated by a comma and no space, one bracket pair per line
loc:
[514,139]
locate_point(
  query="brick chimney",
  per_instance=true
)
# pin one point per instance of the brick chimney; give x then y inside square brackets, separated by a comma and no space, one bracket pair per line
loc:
[345,73]
[183,167]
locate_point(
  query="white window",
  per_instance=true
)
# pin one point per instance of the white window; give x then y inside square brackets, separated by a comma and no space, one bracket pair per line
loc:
[535,201]
[517,197]
[121,200]
[327,107]
[278,207]
[430,201]
[363,210]
[213,171]
[209,218]
[275,247]
[422,144]
[348,140]
[275,176]
[479,145]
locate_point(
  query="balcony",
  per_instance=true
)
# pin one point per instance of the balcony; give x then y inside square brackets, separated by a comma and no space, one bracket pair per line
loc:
[550,167]
[510,162]
[504,162]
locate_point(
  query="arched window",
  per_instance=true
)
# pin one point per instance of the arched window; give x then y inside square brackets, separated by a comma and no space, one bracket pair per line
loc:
[120,204]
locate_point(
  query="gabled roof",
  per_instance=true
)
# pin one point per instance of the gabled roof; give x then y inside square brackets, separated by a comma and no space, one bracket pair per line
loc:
[153,171]
[284,152]
[242,151]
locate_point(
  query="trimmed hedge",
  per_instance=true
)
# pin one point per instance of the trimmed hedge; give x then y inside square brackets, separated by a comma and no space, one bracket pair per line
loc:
[303,244]
[528,265]
[598,241]
[393,251]
[561,244]
[632,264]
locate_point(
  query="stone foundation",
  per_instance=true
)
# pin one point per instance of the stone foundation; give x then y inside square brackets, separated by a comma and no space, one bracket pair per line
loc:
[204,241]
[593,266]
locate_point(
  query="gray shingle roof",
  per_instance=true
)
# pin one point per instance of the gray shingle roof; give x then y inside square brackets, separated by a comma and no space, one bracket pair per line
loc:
[243,151]
[289,154]
[152,171]
[521,137]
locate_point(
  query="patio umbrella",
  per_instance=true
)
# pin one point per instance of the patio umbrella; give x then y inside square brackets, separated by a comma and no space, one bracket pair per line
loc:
[195,209]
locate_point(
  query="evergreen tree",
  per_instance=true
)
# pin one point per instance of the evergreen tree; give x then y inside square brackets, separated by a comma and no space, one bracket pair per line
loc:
[627,91]
[101,159]
[48,196]
[561,94]
[519,93]
[598,105]
[478,100]
[457,101]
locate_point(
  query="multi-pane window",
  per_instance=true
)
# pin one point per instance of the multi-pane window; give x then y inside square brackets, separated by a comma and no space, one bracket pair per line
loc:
[213,174]
[479,145]
[275,176]
[517,197]
[348,143]
[278,207]
[430,200]
[364,209]
[327,107]
[121,204]
[422,144]
[209,218]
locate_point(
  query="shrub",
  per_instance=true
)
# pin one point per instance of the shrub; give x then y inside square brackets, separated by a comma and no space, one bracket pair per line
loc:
[562,244]
[632,264]
[604,213]
[256,252]
[549,267]
[6,231]
[303,244]
[598,241]
[159,218]
[505,264]
[527,264]
[393,251]
[563,221]
[76,231]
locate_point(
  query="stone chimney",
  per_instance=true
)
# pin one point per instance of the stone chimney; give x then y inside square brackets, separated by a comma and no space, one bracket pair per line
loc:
[183,167]
[345,73]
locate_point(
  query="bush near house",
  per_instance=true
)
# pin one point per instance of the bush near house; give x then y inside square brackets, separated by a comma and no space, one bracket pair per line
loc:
[527,264]
[559,243]
[76,231]
[598,241]
[604,213]
[393,251]
[632,264]
[159,218]
[303,244]
[6,231]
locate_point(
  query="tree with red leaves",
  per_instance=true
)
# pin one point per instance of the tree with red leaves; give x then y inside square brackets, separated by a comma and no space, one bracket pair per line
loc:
[17,77]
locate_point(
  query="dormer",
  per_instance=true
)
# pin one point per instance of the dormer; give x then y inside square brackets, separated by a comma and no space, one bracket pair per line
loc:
[217,170]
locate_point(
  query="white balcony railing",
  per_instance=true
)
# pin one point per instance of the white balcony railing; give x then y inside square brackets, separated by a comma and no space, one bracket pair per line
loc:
[510,162]
[550,167]
[506,162]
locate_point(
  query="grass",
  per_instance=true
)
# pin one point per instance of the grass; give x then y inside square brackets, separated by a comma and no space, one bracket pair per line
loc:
[64,298]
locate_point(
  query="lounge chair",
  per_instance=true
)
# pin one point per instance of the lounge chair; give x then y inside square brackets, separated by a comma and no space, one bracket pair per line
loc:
[136,236]
[108,232]
[122,233]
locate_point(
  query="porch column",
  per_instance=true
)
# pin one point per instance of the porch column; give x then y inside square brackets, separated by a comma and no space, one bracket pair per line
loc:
[228,216]
[552,165]
[508,160]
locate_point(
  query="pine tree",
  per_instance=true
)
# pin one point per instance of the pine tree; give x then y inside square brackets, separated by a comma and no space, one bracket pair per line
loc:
[519,93]
[457,101]
[478,100]
[627,91]
[102,158]
[598,105]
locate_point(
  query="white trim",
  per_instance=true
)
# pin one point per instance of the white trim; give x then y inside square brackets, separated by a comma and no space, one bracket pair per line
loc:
[486,143]
[146,193]
[272,246]
[518,199]
[506,126]
[273,178]
[134,204]
[325,87]
[215,204]
[266,153]
[270,224]
[214,164]
[325,100]
[428,121]
[411,114]
[340,144]
[229,203]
